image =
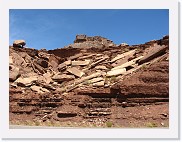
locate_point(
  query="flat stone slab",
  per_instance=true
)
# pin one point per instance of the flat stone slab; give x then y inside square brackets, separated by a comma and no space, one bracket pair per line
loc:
[101,67]
[63,77]
[75,72]
[80,63]
[116,72]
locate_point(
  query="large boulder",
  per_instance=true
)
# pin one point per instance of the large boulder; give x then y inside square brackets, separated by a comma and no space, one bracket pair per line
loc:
[19,43]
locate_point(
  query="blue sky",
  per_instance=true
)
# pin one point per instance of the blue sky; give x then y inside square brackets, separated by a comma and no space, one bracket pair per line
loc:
[53,28]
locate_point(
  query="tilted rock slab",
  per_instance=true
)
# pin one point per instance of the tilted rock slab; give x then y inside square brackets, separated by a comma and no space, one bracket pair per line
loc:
[160,50]
[130,63]
[75,72]
[123,55]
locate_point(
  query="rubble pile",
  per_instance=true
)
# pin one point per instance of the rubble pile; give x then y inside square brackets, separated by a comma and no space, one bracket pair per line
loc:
[88,79]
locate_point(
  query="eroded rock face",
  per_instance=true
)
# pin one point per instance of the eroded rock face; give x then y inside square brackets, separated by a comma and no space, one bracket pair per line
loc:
[92,78]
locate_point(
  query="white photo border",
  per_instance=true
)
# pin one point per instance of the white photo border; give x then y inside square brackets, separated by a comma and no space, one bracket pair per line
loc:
[155,133]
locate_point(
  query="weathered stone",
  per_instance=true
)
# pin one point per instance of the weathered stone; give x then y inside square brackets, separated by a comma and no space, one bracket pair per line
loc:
[75,72]
[26,81]
[19,43]
[121,61]
[45,90]
[18,60]
[86,57]
[130,63]
[62,67]
[99,84]
[39,89]
[80,63]
[101,67]
[159,50]
[44,55]
[123,55]
[96,80]
[68,62]
[48,86]
[13,73]
[39,68]
[75,56]
[99,61]
[10,60]
[47,77]
[42,63]
[36,89]
[62,77]
[54,62]
[80,38]
[116,72]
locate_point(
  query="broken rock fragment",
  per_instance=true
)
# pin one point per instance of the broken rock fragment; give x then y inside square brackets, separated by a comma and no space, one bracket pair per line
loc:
[62,67]
[62,77]
[75,72]
[28,81]
[99,84]
[101,67]
[42,63]
[80,63]
[96,80]
[116,72]
[38,89]
[13,73]
[68,62]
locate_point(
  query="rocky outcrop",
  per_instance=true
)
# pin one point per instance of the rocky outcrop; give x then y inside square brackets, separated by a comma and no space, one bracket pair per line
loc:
[91,78]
